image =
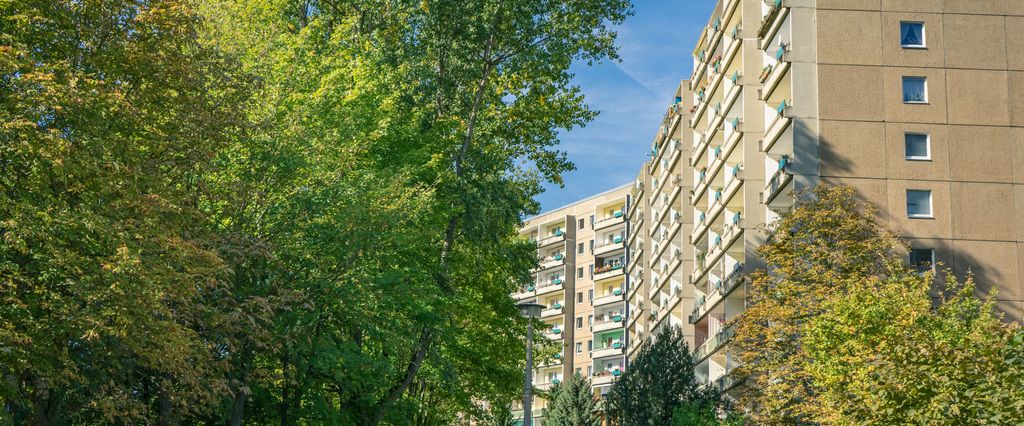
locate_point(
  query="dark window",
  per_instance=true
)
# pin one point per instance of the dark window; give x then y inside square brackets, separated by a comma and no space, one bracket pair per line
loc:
[579,322]
[915,90]
[579,297]
[590,320]
[579,347]
[579,248]
[912,34]
[917,146]
[590,345]
[591,294]
[591,271]
[922,259]
[591,246]
[591,221]
[580,223]
[579,272]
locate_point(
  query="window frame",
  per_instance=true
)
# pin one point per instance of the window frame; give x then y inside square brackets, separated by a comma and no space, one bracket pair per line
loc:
[579,347]
[580,223]
[903,89]
[931,210]
[927,147]
[931,260]
[924,36]
[579,297]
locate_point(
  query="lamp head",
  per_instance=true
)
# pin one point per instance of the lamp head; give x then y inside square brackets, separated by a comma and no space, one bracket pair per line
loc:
[530,309]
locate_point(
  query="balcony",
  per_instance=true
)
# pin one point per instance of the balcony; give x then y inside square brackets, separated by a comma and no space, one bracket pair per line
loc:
[778,182]
[558,236]
[552,261]
[555,334]
[616,349]
[617,218]
[607,271]
[726,382]
[776,128]
[550,286]
[617,243]
[772,21]
[611,324]
[771,75]
[615,297]
[605,377]
[554,310]
[719,291]
[713,344]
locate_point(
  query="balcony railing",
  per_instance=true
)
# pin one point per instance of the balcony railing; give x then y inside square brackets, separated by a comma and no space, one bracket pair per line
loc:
[769,18]
[714,343]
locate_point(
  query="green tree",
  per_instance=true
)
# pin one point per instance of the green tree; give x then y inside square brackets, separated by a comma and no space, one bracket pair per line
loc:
[110,112]
[658,382]
[827,243]
[572,403]
[842,331]
[705,414]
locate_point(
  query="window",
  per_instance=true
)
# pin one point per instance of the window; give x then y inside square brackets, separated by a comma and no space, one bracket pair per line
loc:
[579,297]
[915,90]
[922,259]
[918,146]
[579,224]
[591,295]
[912,35]
[579,347]
[590,320]
[591,271]
[591,221]
[919,203]
[579,248]
[579,272]
[591,246]
[579,322]
[590,370]
[590,345]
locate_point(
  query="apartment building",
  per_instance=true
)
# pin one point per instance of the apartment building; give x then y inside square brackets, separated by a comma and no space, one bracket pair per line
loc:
[918,104]
[582,254]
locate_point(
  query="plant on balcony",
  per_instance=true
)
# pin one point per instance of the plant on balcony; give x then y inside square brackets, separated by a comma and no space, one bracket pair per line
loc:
[556,306]
[617,292]
[765,72]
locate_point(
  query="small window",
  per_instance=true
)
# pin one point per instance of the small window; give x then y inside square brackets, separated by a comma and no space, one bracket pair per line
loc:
[592,221]
[580,224]
[579,272]
[579,347]
[590,320]
[915,90]
[591,246]
[591,271]
[579,248]
[591,295]
[590,345]
[912,35]
[919,203]
[918,146]
[579,322]
[923,260]
[579,297]
[590,370]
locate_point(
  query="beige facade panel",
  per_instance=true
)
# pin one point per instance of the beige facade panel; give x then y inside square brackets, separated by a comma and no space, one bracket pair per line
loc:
[848,92]
[850,4]
[977,97]
[939,226]
[987,7]
[849,37]
[933,111]
[912,6]
[982,211]
[894,54]
[897,165]
[1017,139]
[993,263]
[870,191]
[983,154]
[974,41]
[1015,41]
[1016,94]
[851,148]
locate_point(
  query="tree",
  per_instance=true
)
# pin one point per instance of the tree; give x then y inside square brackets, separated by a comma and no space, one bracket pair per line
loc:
[658,382]
[827,243]
[110,112]
[572,403]
[889,353]
[705,414]
[841,331]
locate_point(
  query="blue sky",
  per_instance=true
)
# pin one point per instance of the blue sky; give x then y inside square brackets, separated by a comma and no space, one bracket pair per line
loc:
[655,45]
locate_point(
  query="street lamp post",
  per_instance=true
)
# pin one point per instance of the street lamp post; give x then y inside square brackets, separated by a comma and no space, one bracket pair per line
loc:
[529,311]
